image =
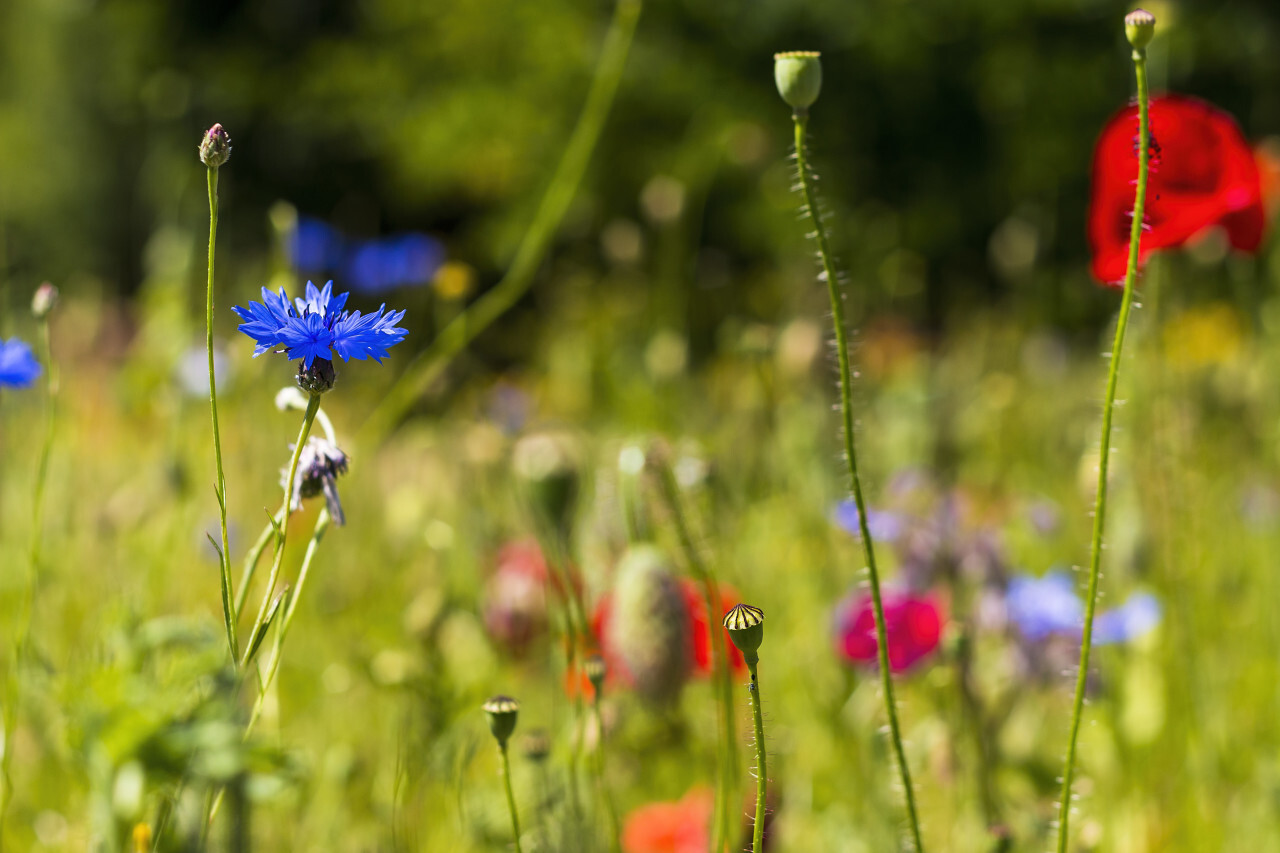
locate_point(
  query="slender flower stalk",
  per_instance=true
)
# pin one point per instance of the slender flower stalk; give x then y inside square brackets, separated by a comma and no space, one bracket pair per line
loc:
[503,712]
[745,625]
[313,405]
[722,674]
[215,148]
[594,666]
[42,306]
[1139,29]
[799,78]
[455,337]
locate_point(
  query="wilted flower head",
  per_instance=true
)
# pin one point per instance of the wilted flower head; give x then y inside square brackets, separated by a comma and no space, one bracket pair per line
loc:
[913,626]
[319,465]
[316,328]
[18,367]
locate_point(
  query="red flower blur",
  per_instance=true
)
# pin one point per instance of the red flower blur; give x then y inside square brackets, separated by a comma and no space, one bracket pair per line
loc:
[1202,173]
[515,599]
[913,626]
[699,631]
[680,827]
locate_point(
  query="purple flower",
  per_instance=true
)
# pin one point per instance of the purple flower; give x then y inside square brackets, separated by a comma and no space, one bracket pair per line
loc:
[1137,616]
[884,526]
[1041,607]
[18,367]
[316,327]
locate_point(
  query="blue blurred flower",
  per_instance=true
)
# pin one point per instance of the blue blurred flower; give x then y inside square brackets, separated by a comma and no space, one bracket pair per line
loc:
[884,526]
[1041,607]
[372,266]
[18,367]
[317,327]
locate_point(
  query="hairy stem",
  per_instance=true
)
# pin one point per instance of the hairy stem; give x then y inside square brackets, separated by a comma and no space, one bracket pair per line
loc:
[855,483]
[1104,452]
[762,776]
[224,556]
[511,797]
[428,365]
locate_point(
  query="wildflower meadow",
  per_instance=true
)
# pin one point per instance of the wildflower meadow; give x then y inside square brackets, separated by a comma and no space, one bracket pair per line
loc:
[639,427]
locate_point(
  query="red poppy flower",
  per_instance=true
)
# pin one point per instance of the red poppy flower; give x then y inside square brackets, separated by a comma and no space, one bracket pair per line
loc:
[913,626]
[699,633]
[679,827]
[1202,173]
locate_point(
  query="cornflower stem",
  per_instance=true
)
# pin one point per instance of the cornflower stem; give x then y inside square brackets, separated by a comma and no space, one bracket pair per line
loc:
[762,776]
[251,561]
[428,366]
[313,405]
[801,118]
[727,749]
[224,556]
[34,554]
[511,797]
[264,684]
[606,797]
[1104,452]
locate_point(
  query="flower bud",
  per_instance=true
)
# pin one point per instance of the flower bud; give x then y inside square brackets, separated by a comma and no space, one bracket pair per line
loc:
[44,301]
[318,378]
[798,74]
[502,712]
[595,669]
[1139,28]
[547,467]
[649,627]
[215,147]
[745,625]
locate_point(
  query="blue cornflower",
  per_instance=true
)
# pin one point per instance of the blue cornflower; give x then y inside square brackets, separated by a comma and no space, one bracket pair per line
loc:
[1139,615]
[18,367]
[1041,607]
[317,327]
[885,526]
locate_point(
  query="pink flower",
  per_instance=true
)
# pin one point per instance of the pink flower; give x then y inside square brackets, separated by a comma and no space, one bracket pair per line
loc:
[913,626]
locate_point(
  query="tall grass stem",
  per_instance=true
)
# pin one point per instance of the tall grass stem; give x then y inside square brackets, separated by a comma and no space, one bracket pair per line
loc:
[1104,452]
[855,484]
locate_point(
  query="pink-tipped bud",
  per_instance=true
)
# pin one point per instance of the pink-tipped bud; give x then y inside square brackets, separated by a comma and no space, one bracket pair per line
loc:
[215,147]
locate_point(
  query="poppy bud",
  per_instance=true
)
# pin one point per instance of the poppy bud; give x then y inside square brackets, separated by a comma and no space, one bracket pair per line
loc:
[44,301]
[1139,28]
[745,625]
[318,378]
[798,74]
[502,712]
[649,627]
[215,147]
[547,466]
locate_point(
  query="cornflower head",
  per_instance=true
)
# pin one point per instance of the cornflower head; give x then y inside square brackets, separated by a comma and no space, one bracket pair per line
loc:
[315,328]
[18,367]
[319,465]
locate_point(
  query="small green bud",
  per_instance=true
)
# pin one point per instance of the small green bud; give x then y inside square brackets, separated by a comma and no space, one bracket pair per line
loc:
[1139,28]
[502,712]
[318,378]
[798,74]
[44,301]
[215,147]
[745,625]
[595,668]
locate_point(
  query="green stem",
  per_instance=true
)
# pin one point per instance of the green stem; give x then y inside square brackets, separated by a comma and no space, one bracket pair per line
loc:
[251,562]
[855,484]
[1104,452]
[429,364]
[313,405]
[556,551]
[615,843]
[511,797]
[224,558]
[13,680]
[757,836]
[727,749]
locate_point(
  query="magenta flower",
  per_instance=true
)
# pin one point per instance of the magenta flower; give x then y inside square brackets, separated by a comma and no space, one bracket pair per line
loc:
[913,627]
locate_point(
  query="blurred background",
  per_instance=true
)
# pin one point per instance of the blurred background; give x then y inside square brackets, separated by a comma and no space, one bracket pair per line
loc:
[402,150]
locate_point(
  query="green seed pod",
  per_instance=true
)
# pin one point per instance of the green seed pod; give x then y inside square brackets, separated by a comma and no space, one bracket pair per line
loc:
[215,147]
[1139,28]
[536,745]
[798,74]
[546,465]
[502,712]
[594,667]
[745,625]
[649,625]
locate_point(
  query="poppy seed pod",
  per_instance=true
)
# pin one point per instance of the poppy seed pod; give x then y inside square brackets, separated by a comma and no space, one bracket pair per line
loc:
[536,745]
[745,625]
[649,627]
[595,669]
[546,465]
[215,147]
[502,711]
[1139,28]
[798,74]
